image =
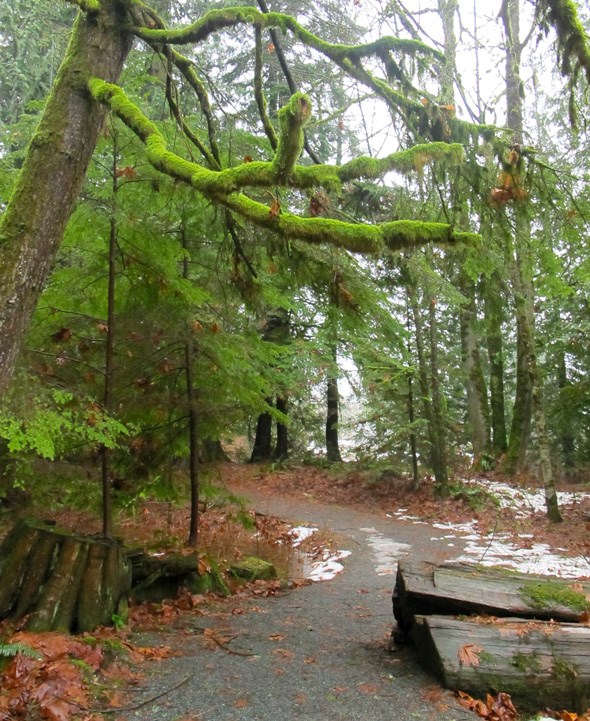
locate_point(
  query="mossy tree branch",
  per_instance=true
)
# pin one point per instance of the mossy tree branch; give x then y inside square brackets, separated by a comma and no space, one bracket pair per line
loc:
[292,120]
[221,187]
[572,39]
[283,170]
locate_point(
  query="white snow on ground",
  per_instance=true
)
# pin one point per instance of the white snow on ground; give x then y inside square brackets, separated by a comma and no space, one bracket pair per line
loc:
[497,549]
[324,568]
[300,533]
[327,567]
[493,549]
[387,552]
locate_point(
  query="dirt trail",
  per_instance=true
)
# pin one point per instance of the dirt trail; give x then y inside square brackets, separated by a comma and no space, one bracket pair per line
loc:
[317,652]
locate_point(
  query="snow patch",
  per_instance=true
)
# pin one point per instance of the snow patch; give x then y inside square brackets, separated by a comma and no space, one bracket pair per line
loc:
[328,567]
[386,551]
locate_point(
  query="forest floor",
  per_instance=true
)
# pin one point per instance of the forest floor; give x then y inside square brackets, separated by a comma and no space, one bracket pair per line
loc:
[314,649]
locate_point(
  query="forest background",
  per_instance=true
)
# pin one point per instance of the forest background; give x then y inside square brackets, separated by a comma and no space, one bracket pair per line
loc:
[412,219]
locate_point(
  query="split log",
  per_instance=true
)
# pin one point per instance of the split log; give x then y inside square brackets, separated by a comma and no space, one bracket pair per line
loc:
[61,581]
[457,588]
[539,663]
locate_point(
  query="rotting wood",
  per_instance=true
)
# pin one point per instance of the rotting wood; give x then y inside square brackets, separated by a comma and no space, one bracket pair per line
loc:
[458,588]
[539,663]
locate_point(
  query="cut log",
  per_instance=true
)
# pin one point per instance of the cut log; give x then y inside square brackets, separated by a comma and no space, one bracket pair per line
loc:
[455,588]
[60,580]
[539,663]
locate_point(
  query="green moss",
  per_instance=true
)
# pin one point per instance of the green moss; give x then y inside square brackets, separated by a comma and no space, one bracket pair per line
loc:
[405,161]
[547,594]
[222,186]
[292,120]
[562,669]
[528,663]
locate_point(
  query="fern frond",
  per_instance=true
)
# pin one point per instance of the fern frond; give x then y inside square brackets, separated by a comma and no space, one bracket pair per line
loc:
[11,649]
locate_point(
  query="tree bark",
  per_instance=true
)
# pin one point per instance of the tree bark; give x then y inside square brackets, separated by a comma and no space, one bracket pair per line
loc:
[493,314]
[262,449]
[478,416]
[61,581]
[333,412]
[34,221]
[529,411]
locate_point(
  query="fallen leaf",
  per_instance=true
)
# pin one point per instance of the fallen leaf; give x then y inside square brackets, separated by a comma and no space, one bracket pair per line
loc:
[241,703]
[469,654]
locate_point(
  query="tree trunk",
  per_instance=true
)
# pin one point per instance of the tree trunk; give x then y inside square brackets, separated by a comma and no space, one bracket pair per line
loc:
[565,436]
[107,511]
[282,445]
[34,221]
[493,313]
[477,400]
[262,449]
[193,439]
[333,411]
[63,582]
[439,451]
[529,411]
[422,372]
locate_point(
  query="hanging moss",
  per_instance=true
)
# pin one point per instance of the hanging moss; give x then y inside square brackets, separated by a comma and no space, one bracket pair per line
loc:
[572,40]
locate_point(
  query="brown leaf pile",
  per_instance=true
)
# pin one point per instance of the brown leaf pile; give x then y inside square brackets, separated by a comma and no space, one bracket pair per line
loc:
[494,708]
[51,686]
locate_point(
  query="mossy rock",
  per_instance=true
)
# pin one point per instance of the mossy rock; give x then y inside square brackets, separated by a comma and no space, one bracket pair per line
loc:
[252,568]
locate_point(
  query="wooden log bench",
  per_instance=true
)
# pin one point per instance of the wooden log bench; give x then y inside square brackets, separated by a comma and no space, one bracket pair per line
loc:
[484,630]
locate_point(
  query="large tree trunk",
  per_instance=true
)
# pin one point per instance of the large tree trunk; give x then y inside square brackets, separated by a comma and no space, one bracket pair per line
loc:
[262,449]
[282,444]
[34,221]
[529,411]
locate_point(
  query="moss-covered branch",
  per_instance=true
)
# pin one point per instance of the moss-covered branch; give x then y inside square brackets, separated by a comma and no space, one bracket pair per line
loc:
[283,169]
[292,119]
[572,39]
[347,57]
[216,186]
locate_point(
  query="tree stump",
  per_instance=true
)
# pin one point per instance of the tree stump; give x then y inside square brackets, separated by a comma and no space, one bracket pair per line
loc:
[61,581]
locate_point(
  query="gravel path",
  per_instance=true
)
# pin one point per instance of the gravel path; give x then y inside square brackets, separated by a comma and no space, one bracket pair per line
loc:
[317,652]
